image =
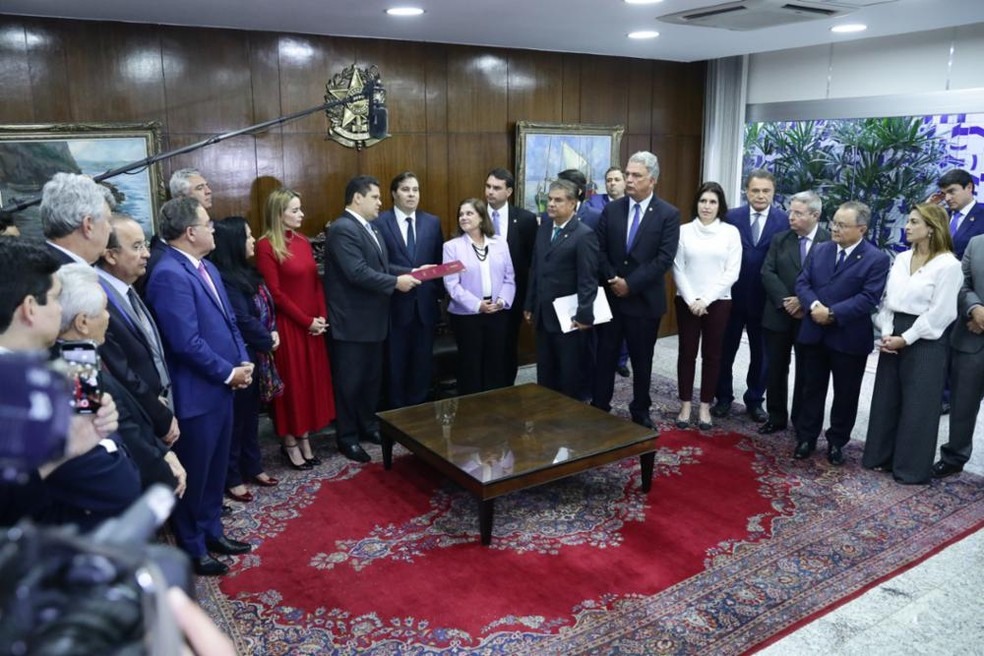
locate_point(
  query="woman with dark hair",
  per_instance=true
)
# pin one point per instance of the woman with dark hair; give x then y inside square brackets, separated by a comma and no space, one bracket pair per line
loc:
[706,265]
[478,295]
[286,260]
[253,305]
[919,305]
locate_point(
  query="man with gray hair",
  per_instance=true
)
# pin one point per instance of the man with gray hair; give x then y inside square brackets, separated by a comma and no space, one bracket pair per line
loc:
[75,218]
[783,313]
[207,361]
[189,183]
[638,236]
[839,288]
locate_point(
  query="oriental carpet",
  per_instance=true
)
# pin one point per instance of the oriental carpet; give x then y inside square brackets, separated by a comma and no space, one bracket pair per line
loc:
[735,545]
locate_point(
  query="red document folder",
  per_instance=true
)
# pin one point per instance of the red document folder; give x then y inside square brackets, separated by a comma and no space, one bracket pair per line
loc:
[438,271]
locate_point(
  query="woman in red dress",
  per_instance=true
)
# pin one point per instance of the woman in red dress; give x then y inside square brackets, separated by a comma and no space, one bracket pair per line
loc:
[286,261]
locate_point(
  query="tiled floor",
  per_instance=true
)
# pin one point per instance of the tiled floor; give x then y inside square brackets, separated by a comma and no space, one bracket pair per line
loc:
[934,608]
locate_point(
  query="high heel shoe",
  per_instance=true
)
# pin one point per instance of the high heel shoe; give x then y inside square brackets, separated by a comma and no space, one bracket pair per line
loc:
[269,481]
[245,497]
[313,460]
[290,461]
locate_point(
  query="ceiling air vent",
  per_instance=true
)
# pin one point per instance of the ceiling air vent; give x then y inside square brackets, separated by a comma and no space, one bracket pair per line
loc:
[760,14]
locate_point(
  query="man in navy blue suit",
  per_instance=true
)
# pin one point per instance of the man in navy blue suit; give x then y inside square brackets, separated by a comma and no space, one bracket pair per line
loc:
[757,222]
[638,237]
[966,215]
[839,288]
[207,361]
[413,238]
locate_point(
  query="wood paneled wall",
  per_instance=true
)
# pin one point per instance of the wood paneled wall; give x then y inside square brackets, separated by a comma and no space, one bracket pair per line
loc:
[452,109]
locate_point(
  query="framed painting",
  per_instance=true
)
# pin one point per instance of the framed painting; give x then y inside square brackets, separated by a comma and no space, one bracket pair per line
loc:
[545,149]
[31,154]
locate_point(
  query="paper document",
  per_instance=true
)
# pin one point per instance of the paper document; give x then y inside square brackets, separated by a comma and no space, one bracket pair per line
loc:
[566,308]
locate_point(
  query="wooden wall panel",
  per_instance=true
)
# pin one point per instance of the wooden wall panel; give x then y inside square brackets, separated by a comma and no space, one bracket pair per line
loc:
[453,109]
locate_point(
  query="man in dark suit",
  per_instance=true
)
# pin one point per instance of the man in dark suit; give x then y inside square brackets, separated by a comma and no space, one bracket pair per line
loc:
[839,288]
[134,351]
[637,237]
[966,215]
[966,364]
[565,262]
[359,281]
[413,238]
[757,222]
[782,313]
[519,227]
[207,361]
[75,218]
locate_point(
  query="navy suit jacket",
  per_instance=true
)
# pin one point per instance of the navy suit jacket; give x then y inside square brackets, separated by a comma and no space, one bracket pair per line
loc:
[853,292]
[561,267]
[971,226]
[748,294]
[645,265]
[202,343]
[423,300]
[521,237]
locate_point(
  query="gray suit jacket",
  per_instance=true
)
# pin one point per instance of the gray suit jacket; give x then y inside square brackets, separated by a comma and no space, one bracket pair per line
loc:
[779,272]
[970,295]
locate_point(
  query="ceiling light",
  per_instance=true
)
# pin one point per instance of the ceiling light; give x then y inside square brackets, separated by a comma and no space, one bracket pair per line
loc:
[643,34]
[848,28]
[642,2]
[405,11]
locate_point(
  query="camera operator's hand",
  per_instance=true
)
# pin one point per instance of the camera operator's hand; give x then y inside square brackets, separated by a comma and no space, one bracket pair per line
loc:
[202,634]
[179,473]
[106,419]
[82,437]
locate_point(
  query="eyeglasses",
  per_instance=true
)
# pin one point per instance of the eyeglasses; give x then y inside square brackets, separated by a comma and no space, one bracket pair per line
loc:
[840,225]
[210,225]
[137,246]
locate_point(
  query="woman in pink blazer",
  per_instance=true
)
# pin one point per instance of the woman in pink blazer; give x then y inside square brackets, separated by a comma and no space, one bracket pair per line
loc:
[479,294]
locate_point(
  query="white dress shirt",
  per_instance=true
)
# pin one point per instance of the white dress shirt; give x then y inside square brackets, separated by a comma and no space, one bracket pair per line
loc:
[930,293]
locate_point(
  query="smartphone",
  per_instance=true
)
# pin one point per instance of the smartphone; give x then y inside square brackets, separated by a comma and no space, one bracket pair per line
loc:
[82,361]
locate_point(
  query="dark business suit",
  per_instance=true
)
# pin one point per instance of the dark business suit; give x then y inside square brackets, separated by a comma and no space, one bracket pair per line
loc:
[636,317]
[63,257]
[202,345]
[780,270]
[967,360]
[521,236]
[413,315]
[748,298]
[971,226]
[358,283]
[129,353]
[562,265]
[852,291]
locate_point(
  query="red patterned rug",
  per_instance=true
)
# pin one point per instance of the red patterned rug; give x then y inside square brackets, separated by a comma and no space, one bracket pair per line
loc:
[735,545]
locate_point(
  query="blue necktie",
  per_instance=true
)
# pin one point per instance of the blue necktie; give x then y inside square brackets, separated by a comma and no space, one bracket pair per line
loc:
[802,250]
[411,240]
[633,229]
[955,223]
[756,228]
[556,231]
[495,221]
[840,260]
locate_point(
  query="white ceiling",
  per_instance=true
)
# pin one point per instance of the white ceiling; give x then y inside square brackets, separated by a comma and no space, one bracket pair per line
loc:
[586,26]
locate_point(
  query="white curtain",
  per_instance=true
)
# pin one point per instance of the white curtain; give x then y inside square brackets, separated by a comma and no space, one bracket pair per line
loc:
[724,124]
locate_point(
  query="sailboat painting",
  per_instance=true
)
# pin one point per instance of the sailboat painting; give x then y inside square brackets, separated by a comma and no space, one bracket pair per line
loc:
[545,149]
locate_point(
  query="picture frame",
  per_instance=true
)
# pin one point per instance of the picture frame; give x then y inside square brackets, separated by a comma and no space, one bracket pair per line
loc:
[31,154]
[545,149]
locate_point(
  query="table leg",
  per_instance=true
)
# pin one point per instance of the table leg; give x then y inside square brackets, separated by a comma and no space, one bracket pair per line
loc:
[485,511]
[647,461]
[387,445]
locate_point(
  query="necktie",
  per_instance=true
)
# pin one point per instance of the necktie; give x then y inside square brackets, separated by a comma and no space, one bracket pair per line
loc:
[495,221]
[634,228]
[840,260]
[372,233]
[802,249]
[203,272]
[556,231]
[142,314]
[138,312]
[756,227]
[411,240]
[955,223]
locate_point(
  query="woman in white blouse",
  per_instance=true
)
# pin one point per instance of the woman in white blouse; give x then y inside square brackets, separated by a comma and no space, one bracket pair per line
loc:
[706,265]
[919,305]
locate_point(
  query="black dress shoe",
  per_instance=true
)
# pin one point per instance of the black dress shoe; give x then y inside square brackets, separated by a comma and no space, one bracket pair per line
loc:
[943,469]
[623,371]
[354,452]
[721,410]
[643,421]
[757,413]
[803,450]
[208,566]
[769,427]
[681,424]
[705,425]
[226,509]
[227,546]
[834,455]
[373,438]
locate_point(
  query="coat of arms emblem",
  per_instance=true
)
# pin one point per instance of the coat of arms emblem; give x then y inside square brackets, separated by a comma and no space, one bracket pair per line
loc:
[359,123]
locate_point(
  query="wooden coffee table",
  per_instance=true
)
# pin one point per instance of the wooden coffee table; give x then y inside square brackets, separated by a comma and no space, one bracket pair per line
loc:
[512,439]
